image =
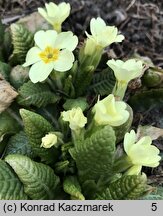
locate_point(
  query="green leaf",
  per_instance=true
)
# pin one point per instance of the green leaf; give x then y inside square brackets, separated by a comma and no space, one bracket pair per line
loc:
[2,31]
[8,125]
[89,189]
[5,70]
[156,195]
[37,94]
[38,179]
[19,144]
[72,187]
[68,87]
[152,78]
[146,100]
[10,186]
[18,76]
[37,127]
[22,40]
[103,82]
[61,166]
[83,79]
[125,188]
[7,44]
[94,156]
[74,103]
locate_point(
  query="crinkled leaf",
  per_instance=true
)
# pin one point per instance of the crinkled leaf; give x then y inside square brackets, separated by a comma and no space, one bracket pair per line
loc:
[2,31]
[8,125]
[7,44]
[61,166]
[94,156]
[103,82]
[156,195]
[72,187]
[5,70]
[83,79]
[19,144]
[22,40]
[74,103]
[11,187]
[146,100]
[37,94]
[38,179]
[125,188]
[37,127]
[90,188]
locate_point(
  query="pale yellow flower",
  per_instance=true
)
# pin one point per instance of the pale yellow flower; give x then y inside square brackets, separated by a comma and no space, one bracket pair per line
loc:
[103,35]
[110,112]
[49,140]
[52,51]
[126,71]
[140,153]
[75,118]
[55,14]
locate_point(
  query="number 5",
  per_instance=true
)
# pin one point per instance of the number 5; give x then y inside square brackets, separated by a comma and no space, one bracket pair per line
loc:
[154,206]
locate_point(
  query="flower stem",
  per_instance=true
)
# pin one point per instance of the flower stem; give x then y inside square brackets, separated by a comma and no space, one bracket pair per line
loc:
[77,134]
[51,84]
[120,89]
[57,27]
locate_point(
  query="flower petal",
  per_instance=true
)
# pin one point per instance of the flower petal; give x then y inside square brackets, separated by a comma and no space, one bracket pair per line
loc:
[66,40]
[144,155]
[119,38]
[40,71]
[114,65]
[120,105]
[126,71]
[65,61]
[45,38]
[96,26]
[107,36]
[75,117]
[134,170]
[119,119]
[32,56]
[145,141]
[65,11]
[52,9]
[129,141]
[42,12]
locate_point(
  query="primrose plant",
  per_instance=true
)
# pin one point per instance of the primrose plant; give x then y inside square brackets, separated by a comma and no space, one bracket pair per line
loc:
[67,142]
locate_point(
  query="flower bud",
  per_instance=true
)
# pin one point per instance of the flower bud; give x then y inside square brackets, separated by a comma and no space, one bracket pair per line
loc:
[75,118]
[49,140]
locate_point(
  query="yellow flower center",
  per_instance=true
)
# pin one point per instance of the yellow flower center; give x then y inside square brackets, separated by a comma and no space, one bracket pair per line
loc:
[49,54]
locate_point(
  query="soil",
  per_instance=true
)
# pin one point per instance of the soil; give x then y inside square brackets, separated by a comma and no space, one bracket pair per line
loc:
[141,21]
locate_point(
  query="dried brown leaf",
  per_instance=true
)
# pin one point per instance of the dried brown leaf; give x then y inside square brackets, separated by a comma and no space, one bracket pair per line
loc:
[149,130]
[7,94]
